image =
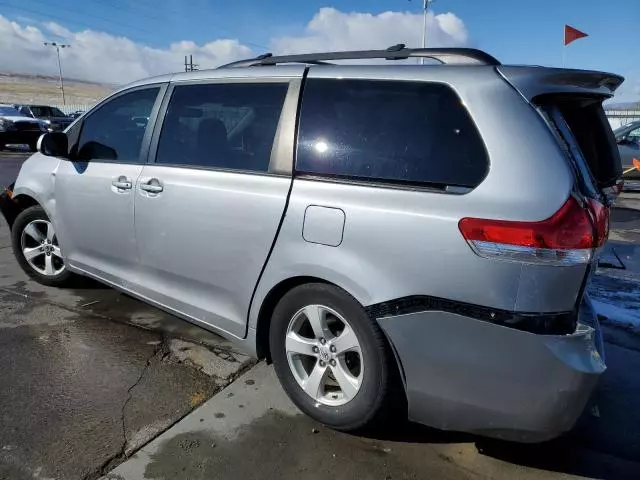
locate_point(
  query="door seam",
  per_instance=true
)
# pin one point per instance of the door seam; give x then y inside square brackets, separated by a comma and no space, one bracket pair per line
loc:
[286,204]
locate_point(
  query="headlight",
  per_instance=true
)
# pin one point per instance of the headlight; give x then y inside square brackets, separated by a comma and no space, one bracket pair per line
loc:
[5,125]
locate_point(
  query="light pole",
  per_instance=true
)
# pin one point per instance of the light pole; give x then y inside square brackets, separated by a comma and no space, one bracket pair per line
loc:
[58,46]
[424,26]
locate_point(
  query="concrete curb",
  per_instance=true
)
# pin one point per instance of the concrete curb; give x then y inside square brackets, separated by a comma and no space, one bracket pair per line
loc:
[222,417]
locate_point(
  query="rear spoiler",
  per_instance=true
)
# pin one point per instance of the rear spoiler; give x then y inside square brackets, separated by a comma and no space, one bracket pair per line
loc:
[533,81]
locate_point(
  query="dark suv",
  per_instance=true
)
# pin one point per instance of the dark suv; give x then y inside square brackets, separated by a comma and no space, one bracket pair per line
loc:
[52,116]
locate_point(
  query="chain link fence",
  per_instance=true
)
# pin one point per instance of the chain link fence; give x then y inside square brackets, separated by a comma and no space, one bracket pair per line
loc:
[70,108]
[619,118]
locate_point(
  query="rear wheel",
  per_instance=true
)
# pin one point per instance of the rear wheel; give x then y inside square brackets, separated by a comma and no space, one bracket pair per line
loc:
[331,358]
[36,248]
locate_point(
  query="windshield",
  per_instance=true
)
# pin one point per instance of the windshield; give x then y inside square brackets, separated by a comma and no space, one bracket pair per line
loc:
[9,112]
[41,111]
[624,128]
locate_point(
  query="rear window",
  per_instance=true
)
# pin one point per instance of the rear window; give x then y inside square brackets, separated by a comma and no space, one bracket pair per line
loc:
[389,131]
[586,134]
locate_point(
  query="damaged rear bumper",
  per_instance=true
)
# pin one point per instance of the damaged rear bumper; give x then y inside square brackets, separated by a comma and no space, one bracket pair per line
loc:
[469,375]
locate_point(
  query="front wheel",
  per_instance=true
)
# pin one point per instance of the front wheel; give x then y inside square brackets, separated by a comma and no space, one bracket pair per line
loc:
[36,248]
[331,358]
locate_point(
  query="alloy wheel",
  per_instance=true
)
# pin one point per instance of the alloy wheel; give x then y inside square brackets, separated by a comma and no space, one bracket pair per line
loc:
[324,355]
[40,248]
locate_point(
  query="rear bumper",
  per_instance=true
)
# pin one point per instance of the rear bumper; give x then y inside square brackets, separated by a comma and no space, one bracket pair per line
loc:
[470,375]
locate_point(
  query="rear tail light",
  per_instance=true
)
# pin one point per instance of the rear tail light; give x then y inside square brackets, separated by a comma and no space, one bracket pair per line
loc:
[568,237]
[600,214]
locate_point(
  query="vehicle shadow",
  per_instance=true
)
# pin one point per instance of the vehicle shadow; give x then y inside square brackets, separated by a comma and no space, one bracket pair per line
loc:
[605,443]
[85,283]
[570,454]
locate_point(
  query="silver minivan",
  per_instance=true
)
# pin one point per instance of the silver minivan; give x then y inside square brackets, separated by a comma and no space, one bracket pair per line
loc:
[391,236]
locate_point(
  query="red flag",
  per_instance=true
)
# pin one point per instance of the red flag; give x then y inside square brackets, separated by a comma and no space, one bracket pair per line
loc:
[571,34]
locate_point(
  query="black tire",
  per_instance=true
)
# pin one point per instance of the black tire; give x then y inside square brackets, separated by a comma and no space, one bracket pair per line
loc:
[62,279]
[374,398]
[33,147]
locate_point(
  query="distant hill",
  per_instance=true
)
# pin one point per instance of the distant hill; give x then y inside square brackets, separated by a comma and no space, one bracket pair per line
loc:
[21,88]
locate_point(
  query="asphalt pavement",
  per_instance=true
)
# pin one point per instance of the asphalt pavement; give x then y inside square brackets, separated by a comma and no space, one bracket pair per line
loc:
[91,378]
[10,162]
[89,375]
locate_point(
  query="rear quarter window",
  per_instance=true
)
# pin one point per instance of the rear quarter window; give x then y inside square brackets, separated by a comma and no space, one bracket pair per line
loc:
[389,131]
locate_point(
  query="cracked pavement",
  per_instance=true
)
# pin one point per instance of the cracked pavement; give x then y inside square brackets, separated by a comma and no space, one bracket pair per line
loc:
[89,375]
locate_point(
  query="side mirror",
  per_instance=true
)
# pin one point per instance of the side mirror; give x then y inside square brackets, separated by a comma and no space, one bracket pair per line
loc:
[54,144]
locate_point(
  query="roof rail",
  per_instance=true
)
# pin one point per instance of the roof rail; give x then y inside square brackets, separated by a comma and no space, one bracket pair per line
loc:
[448,56]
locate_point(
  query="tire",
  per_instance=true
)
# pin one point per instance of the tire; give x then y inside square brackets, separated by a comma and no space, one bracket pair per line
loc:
[373,398]
[47,267]
[2,146]
[33,147]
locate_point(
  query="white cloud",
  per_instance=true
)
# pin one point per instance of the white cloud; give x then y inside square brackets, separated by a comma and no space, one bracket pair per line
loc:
[58,30]
[629,91]
[331,29]
[102,57]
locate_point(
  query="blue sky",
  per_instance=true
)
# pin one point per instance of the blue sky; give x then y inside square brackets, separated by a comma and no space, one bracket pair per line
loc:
[513,31]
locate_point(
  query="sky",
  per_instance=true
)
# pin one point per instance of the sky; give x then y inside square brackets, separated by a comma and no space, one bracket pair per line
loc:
[118,41]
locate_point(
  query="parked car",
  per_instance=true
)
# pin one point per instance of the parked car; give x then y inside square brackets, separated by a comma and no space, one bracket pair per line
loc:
[15,128]
[76,114]
[628,139]
[52,116]
[382,233]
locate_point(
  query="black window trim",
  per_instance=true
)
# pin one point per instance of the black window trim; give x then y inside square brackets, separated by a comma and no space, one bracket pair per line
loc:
[282,149]
[407,185]
[142,155]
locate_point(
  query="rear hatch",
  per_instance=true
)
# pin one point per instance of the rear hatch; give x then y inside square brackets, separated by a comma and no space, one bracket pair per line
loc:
[570,103]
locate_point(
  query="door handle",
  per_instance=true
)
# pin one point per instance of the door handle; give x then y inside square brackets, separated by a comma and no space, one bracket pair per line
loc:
[152,186]
[122,183]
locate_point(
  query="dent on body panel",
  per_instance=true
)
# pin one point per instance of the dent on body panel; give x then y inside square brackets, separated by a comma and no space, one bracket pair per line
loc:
[545,288]
[37,179]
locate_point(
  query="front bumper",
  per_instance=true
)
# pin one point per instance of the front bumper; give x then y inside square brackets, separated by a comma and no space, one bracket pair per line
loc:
[20,137]
[8,207]
[59,126]
[469,375]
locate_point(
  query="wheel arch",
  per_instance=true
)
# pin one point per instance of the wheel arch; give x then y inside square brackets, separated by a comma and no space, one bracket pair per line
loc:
[263,326]
[14,206]
[268,305]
